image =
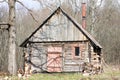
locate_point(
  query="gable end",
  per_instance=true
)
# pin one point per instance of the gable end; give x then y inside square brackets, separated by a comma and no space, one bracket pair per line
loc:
[79,27]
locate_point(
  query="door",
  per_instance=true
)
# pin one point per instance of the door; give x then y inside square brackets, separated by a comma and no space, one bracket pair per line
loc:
[54,59]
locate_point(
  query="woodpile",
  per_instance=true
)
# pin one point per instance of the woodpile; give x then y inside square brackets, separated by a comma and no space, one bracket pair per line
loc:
[20,73]
[27,68]
[94,67]
[24,73]
[91,69]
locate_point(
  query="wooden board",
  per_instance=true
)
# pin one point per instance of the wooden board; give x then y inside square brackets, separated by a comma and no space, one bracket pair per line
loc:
[54,60]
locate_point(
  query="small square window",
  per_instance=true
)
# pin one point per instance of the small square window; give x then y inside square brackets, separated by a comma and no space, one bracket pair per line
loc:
[77,51]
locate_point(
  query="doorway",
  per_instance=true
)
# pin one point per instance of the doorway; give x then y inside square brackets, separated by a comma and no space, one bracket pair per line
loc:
[54,59]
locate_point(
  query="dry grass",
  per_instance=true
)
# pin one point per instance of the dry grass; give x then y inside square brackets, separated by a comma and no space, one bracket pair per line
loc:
[76,76]
[108,74]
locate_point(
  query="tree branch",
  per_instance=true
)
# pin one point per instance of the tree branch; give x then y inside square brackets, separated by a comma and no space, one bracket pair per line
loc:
[29,10]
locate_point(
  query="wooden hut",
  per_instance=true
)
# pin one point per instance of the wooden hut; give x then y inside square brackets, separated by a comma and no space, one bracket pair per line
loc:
[60,44]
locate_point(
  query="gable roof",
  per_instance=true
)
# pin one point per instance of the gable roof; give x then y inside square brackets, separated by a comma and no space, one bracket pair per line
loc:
[89,37]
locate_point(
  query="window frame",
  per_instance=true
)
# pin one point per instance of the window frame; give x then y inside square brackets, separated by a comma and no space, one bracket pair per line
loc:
[77,51]
[73,51]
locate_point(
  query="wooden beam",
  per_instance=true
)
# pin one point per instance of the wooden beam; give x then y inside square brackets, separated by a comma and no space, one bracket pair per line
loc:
[57,41]
[4,23]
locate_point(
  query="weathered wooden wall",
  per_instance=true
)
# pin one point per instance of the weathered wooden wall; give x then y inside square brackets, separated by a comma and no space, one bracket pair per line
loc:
[71,62]
[38,57]
[58,28]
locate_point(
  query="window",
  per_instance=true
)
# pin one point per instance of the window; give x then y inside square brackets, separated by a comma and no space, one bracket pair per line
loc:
[77,51]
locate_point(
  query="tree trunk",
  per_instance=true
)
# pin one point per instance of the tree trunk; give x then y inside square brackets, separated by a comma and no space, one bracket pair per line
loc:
[12,67]
[93,16]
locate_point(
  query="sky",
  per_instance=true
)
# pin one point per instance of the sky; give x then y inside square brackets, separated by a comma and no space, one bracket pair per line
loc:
[35,5]
[31,4]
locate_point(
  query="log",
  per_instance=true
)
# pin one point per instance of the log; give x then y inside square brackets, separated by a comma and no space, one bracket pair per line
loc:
[4,23]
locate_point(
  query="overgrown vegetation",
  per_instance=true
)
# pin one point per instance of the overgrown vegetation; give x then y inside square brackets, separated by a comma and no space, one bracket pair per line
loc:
[109,75]
[75,76]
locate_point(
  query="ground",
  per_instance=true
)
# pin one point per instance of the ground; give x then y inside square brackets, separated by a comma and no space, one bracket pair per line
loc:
[109,74]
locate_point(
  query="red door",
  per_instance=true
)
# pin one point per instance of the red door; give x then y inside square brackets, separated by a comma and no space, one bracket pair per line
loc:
[54,60]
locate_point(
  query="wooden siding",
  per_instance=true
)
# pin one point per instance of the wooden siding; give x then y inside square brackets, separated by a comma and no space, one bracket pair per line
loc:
[54,62]
[71,62]
[38,57]
[58,28]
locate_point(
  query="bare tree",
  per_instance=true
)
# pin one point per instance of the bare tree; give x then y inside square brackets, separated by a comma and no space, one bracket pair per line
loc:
[12,67]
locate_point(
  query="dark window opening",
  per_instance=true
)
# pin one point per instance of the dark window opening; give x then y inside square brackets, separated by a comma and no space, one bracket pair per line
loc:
[77,51]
